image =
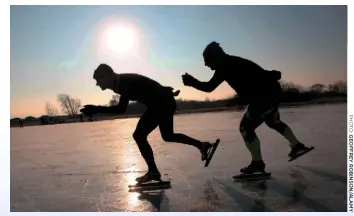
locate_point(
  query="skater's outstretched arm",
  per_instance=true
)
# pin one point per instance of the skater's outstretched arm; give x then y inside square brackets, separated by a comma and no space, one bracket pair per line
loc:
[118,109]
[209,86]
[89,110]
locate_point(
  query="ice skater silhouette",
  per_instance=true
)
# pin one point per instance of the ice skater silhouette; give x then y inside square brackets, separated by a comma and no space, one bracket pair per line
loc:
[161,107]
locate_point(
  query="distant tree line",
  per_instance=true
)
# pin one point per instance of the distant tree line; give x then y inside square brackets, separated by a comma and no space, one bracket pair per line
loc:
[293,93]
[70,106]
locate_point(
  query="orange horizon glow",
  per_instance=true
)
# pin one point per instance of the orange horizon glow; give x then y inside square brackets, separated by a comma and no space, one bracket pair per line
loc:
[35,107]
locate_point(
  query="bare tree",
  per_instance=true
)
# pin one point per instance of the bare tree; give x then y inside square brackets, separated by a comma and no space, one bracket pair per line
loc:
[69,105]
[291,87]
[339,87]
[50,110]
[114,100]
[317,88]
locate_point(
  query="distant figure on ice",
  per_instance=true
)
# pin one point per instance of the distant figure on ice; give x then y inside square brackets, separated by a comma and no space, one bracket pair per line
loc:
[20,122]
[259,88]
[161,106]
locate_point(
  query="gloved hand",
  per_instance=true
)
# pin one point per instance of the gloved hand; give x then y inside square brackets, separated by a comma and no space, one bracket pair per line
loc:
[176,93]
[188,80]
[89,110]
[275,75]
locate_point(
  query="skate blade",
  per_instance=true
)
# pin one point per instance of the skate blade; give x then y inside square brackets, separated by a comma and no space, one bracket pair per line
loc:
[302,153]
[150,186]
[150,183]
[252,177]
[210,156]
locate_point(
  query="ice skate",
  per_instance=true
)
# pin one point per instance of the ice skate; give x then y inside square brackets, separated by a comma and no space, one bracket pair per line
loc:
[298,150]
[149,181]
[254,171]
[208,151]
[206,146]
[149,176]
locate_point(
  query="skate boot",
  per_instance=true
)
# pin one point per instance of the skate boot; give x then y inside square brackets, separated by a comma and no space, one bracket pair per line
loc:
[204,150]
[298,150]
[149,176]
[254,167]
[254,171]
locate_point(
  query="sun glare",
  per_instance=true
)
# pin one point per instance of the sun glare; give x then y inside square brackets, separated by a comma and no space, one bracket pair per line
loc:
[119,39]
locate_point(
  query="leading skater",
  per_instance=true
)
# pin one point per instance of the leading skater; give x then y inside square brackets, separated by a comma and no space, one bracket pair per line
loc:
[161,106]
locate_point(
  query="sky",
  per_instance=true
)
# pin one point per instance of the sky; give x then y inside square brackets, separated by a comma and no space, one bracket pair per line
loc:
[55,49]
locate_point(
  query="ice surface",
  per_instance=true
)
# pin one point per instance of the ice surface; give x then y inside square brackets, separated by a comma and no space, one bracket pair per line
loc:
[88,166]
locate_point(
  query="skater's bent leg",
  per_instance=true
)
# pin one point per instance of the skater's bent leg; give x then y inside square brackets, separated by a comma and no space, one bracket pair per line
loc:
[252,143]
[182,138]
[168,135]
[275,123]
[146,151]
[145,126]
[247,129]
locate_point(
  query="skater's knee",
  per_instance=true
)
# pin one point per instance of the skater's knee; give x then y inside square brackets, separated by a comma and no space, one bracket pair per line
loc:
[138,137]
[276,125]
[247,133]
[168,137]
[243,131]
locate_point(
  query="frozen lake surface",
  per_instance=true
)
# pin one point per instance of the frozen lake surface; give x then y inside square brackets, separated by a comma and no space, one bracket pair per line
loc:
[88,166]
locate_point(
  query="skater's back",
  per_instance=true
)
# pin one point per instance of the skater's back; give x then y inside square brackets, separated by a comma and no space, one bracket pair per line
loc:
[247,78]
[251,82]
[135,87]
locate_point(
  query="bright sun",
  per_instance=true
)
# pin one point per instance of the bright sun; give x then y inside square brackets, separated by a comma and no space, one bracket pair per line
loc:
[120,39]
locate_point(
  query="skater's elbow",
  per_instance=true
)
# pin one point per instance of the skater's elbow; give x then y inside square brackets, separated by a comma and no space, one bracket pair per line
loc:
[211,85]
[204,87]
[209,88]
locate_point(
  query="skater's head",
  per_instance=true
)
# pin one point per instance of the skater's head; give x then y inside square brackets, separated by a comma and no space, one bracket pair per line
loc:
[213,55]
[104,76]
